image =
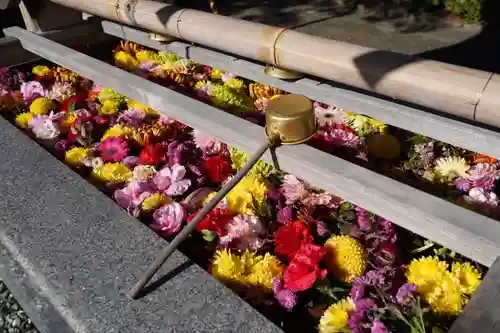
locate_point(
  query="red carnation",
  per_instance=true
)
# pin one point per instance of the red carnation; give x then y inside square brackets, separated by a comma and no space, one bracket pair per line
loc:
[64,105]
[216,221]
[216,169]
[290,237]
[153,154]
[303,271]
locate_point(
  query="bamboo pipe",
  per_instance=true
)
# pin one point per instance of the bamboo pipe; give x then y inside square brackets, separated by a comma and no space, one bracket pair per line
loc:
[456,90]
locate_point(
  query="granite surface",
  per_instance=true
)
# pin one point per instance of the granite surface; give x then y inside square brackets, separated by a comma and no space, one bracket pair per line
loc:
[74,252]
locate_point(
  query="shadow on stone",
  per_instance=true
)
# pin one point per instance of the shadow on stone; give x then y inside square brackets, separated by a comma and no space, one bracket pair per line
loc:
[152,286]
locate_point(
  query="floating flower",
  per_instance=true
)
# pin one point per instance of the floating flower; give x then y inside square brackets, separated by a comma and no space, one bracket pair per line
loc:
[153,154]
[290,237]
[294,190]
[330,115]
[109,108]
[450,167]
[481,196]
[125,60]
[336,317]
[345,257]
[246,231]
[440,288]
[44,128]
[215,221]
[112,172]
[247,270]
[285,297]
[116,130]
[61,91]
[113,149]
[23,119]
[483,175]
[144,172]
[76,155]
[133,194]
[208,144]
[168,219]
[405,292]
[239,159]
[154,201]
[132,117]
[32,90]
[170,180]
[216,168]
[339,135]
[249,191]
[42,105]
[303,270]
[469,276]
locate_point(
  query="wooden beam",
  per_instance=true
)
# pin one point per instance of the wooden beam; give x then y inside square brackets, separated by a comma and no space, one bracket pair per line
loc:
[459,229]
[482,313]
[441,128]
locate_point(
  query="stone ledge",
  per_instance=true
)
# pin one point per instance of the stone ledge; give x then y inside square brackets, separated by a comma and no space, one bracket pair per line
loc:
[78,252]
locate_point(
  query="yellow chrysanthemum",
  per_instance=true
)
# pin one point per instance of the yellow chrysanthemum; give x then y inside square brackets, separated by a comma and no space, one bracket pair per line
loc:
[469,276]
[116,130]
[42,105]
[264,270]
[251,189]
[154,201]
[345,257]
[336,317]
[22,120]
[67,121]
[364,125]
[247,269]
[125,60]
[234,83]
[109,108]
[216,74]
[75,155]
[133,104]
[450,167]
[227,266]
[41,71]
[443,290]
[112,172]
[147,55]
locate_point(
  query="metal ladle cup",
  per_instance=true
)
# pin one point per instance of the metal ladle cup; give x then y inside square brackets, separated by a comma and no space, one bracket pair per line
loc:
[291,120]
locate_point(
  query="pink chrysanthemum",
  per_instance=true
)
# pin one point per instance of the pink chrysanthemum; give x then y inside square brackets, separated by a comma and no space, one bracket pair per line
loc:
[113,149]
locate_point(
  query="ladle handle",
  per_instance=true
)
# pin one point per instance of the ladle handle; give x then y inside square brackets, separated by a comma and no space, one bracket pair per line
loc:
[167,251]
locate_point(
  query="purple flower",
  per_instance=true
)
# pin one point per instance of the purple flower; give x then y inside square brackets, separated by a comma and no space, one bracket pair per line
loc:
[170,180]
[358,289]
[426,152]
[132,117]
[340,137]
[131,161]
[379,327]
[208,144]
[61,146]
[483,175]
[363,220]
[285,214]
[285,297]
[404,293]
[181,152]
[10,79]
[462,184]
[168,219]
[32,90]
[361,317]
